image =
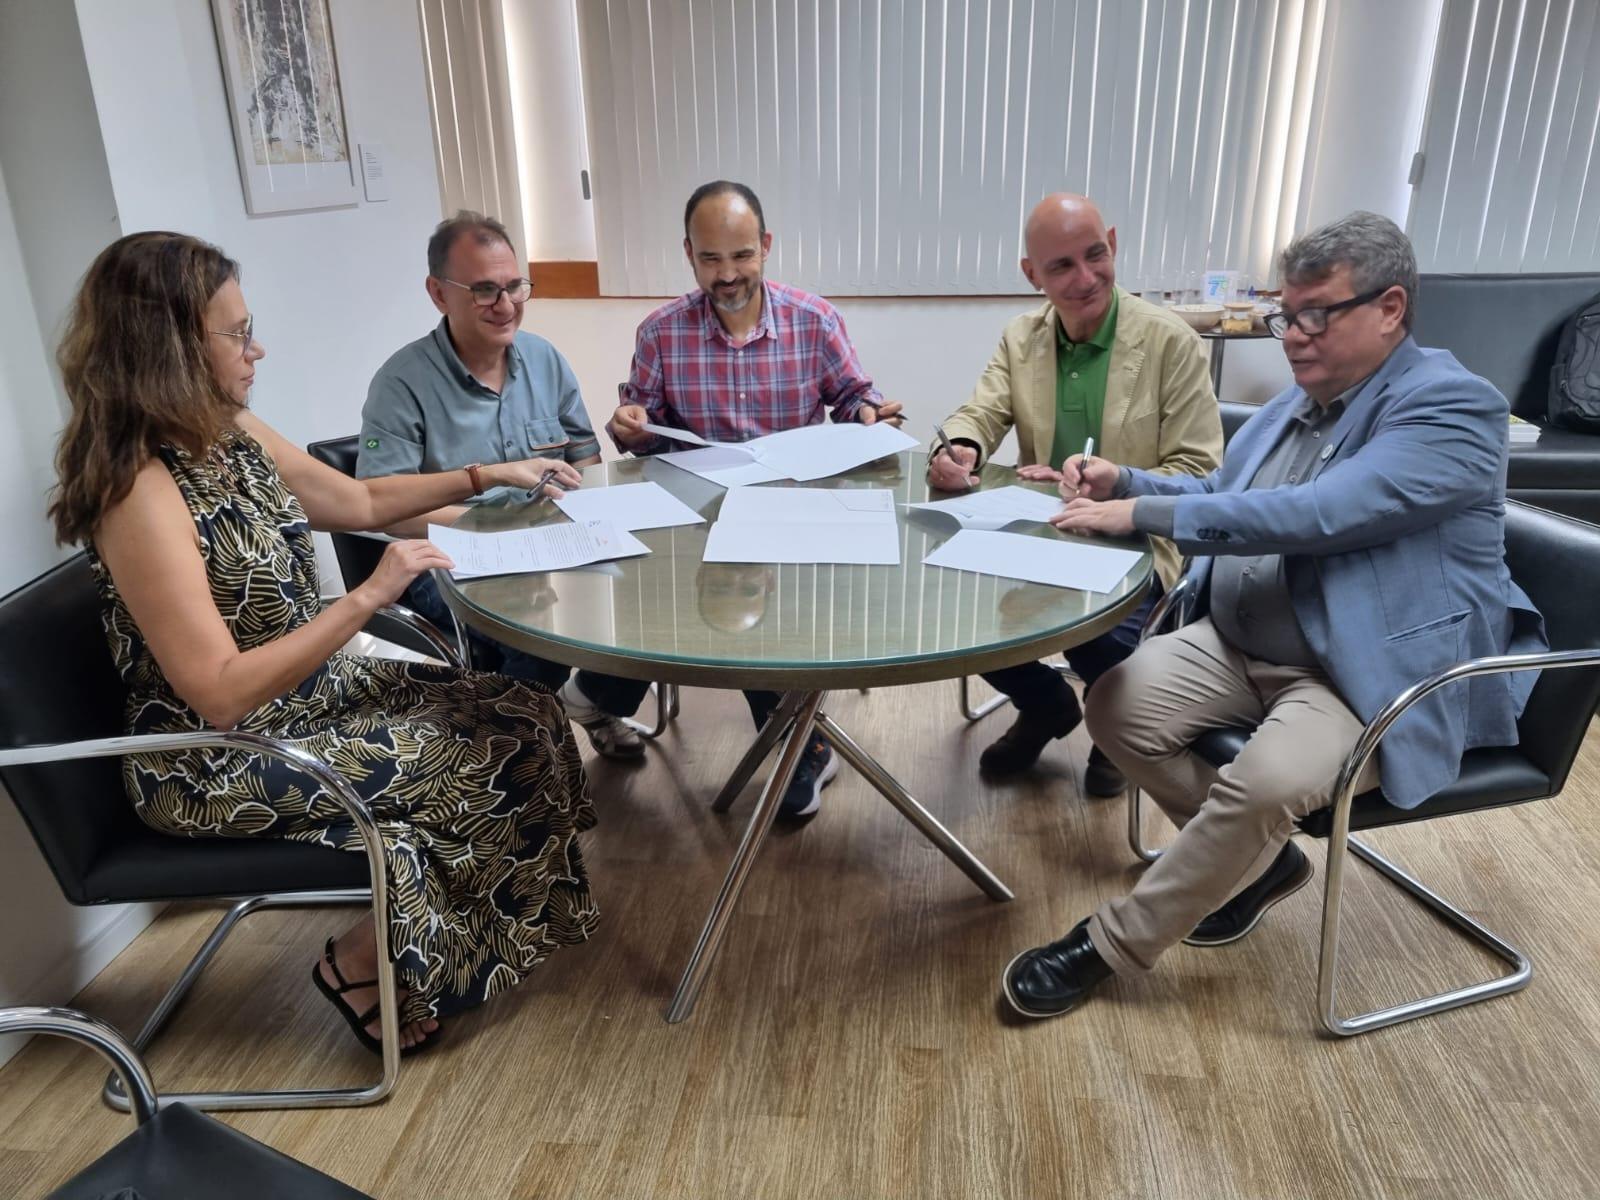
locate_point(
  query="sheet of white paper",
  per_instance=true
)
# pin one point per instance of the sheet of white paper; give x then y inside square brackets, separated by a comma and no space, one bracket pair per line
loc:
[629,506]
[996,508]
[806,525]
[547,548]
[817,451]
[738,542]
[1038,560]
[722,465]
[678,435]
[767,507]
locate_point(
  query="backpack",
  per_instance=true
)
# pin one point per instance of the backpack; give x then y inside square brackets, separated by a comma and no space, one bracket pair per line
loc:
[1575,376]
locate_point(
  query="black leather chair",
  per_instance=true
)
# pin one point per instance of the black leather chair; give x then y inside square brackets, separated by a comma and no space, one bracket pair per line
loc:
[61,722]
[173,1151]
[358,555]
[1556,560]
[1505,328]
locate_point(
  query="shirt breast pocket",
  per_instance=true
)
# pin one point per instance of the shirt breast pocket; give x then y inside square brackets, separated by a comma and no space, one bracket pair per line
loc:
[545,435]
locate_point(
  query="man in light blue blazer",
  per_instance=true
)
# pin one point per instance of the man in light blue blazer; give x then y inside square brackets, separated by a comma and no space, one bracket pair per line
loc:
[1351,544]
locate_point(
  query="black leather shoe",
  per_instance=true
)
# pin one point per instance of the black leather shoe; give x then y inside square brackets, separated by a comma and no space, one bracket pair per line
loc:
[1049,981]
[1019,747]
[1101,777]
[1289,872]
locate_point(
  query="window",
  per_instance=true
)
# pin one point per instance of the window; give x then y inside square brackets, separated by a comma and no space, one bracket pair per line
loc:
[897,145]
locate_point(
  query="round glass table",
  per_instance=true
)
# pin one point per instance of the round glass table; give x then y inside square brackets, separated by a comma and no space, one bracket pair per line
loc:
[801,630]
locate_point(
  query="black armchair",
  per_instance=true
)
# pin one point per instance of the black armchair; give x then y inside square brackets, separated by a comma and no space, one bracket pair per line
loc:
[173,1151]
[1556,560]
[61,716]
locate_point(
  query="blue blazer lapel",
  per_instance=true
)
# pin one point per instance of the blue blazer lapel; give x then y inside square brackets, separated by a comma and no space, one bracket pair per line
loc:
[1358,412]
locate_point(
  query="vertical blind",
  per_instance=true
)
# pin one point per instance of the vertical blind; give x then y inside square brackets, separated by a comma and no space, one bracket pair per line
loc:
[897,145]
[469,89]
[1510,137]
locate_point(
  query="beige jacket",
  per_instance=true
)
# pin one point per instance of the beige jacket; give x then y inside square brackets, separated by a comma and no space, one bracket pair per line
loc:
[1160,413]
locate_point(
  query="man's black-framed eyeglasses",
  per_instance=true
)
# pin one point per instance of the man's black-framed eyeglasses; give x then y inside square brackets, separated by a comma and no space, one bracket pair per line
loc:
[1314,320]
[487,292]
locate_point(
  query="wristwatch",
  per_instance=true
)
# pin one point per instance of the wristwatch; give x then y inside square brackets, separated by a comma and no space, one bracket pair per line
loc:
[477,479]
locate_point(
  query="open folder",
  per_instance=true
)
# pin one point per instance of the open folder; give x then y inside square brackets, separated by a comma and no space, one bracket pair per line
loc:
[547,548]
[810,452]
[806,525]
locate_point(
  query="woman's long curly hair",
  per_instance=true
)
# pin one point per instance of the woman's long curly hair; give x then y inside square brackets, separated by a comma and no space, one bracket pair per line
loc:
[137,371]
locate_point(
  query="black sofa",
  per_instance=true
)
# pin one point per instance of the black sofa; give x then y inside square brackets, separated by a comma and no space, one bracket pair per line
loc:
[1505,328]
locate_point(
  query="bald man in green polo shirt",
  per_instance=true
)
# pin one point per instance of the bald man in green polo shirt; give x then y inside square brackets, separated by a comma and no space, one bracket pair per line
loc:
[1094,361]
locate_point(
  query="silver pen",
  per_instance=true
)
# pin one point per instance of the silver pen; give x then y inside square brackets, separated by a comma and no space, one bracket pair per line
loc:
[1083,463]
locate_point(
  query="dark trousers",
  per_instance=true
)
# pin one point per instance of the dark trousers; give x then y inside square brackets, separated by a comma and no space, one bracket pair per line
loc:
[1034,686]
[611,694]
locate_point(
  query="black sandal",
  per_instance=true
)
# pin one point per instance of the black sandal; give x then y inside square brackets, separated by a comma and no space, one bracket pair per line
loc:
[358,1022]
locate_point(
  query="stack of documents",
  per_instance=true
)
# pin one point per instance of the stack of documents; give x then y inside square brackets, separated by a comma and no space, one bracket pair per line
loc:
[1523,433]
[810,452]
[1038,560]
[995,508]
[630,506]
[547,548]
[806,525]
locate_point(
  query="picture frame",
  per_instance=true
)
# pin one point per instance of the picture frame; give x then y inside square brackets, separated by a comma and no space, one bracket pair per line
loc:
[286,104]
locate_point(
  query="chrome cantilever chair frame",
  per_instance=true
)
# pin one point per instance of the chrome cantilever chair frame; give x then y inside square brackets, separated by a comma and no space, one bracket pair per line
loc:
[376,894]
[1341,844]
[126,1064]
[964,700]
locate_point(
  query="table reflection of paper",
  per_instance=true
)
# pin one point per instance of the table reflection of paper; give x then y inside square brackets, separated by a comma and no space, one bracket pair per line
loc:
[995,508]
[547,548]
[1037,560]
[805,525]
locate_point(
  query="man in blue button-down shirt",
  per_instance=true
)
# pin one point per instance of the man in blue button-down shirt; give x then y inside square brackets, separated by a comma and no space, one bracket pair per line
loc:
[479,389]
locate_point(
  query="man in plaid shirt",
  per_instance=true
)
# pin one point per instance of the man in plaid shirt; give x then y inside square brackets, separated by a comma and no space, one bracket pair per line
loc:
[737,358]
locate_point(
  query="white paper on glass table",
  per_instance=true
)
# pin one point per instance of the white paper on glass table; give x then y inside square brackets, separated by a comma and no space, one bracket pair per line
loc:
[521,551]
[995,508]
[853,526]
[726,465]
[810,452]
[1037,560]
[629,506]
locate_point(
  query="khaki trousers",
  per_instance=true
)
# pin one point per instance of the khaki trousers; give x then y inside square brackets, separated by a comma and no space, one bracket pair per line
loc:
[1232,823]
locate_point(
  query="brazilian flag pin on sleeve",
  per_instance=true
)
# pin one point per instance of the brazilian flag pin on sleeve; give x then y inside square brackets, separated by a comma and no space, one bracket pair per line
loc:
[372,443]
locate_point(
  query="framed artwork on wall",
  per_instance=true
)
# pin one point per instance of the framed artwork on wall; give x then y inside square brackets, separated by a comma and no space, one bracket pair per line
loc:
[282,81]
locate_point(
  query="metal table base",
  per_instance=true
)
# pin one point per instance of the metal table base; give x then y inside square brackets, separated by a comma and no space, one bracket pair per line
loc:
[792,723]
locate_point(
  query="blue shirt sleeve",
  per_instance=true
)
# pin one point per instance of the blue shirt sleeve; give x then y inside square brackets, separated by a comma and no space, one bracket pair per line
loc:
[392,437]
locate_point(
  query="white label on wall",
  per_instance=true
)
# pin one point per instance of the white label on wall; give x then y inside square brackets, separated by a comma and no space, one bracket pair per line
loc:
[372,177]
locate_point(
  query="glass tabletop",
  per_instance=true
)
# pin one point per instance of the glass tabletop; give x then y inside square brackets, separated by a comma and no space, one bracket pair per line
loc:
[670,617]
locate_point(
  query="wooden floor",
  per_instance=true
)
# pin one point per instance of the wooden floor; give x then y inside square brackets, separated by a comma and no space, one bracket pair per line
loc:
[848,1044]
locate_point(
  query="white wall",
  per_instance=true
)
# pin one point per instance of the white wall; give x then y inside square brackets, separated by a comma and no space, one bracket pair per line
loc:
[112,119]
[55,212]
[335,291]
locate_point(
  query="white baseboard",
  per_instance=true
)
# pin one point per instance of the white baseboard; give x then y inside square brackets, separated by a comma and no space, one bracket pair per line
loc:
[76,969]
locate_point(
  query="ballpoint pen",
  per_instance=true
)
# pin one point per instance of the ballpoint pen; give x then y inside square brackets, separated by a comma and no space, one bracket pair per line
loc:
[1083,463]
[537,491]
[949,449]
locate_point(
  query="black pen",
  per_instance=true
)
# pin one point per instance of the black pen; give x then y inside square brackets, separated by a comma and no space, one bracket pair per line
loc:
[949,449]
